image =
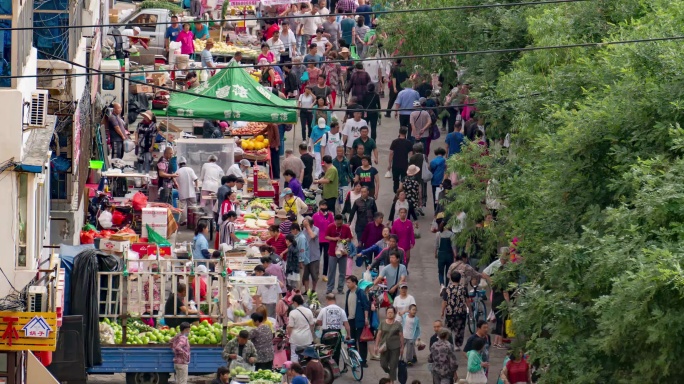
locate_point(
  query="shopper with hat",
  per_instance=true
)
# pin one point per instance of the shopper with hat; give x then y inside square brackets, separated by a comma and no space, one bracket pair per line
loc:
[314,370]
[187,188]
[315,141]
[145,135]
[293,205]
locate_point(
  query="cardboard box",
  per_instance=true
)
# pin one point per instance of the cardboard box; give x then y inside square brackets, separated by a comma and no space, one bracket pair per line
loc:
[159,79]
[113,246]
[150,249]
[113,16]
[139,88]
[154,215]
[173,133]
[161,229]
[215,34]
[132,238]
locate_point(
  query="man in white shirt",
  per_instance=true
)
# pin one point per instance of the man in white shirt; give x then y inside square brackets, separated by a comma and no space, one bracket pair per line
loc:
[331,319]
[352,130]
[125,37]
[276,46]
[289,42]
[307,27]
[187,187]
[374,69]
[300,326]
[210,175]
[239,169]
[331,140]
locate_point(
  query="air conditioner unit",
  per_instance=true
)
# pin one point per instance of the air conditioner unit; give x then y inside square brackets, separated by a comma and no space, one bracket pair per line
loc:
[39,107]
[37,299]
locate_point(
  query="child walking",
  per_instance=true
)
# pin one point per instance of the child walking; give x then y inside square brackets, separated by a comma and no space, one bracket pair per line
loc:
[411,324]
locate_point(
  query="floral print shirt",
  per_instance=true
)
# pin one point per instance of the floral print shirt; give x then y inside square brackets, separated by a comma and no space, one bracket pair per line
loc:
[411,186]
[443,359]
[181,349]
[262,338]
[156,296]
[456,298]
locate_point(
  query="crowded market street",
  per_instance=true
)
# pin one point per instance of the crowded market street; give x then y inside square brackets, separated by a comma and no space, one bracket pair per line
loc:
[423,284]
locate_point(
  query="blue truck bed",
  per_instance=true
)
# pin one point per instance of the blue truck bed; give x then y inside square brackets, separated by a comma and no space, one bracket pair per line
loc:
[120,359]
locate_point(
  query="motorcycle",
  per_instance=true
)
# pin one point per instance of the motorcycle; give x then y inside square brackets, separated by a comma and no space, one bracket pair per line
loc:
[325,353]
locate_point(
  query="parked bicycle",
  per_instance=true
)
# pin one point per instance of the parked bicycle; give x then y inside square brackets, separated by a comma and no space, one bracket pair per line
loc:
[350,357]
[477,310]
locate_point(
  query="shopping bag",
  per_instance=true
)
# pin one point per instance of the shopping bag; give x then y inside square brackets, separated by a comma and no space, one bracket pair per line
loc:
[388,175]
[367,276]
[402,372]
[139,201]
[386,300]
[509,327]
[366,335]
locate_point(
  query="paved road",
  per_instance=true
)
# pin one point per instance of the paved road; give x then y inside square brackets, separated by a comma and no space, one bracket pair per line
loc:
[423,284]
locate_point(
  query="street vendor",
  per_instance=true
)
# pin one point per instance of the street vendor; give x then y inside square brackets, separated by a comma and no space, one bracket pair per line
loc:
[239,169]
[240,351]
[200,30]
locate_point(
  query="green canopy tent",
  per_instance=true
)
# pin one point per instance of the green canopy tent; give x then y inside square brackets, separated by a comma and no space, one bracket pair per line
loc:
[234,85]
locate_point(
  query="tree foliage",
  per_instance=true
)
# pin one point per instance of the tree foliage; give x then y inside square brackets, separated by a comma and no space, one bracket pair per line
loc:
[592,184]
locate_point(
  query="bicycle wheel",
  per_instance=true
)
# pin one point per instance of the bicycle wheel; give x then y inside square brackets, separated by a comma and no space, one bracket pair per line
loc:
[480,312]
[470,320]
[356,366]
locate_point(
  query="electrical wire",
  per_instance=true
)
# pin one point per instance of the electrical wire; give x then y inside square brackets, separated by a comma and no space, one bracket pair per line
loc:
[454,8]
[429,55]
[171,90]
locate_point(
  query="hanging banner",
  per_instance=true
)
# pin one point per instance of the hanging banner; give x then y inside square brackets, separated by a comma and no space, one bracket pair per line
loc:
[269,3]
[240,3]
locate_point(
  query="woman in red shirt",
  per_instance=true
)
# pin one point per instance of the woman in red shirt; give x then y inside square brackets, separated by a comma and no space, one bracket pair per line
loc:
[517,370]
[277,241]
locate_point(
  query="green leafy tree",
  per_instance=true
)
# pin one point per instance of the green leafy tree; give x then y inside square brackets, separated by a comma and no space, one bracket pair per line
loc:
[591,185]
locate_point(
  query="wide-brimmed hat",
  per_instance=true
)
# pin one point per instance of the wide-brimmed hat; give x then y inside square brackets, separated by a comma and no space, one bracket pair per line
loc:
[147,114]
[311,353]
[281,214]
[363,284]
[344,50]
[412,170]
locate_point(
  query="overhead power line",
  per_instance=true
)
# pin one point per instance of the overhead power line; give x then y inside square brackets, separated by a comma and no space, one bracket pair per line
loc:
[454,8]
[430,55]
[170,90]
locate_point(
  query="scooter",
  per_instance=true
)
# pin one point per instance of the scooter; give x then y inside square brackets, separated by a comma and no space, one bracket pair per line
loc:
[325,353]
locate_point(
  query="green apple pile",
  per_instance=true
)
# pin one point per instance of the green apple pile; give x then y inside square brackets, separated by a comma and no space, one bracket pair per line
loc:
[140,333]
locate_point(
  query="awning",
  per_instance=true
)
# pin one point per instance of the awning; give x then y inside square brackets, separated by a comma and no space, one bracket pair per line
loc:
[36,147]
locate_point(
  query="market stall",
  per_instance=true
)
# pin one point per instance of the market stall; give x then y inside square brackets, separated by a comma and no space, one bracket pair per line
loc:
[233,95]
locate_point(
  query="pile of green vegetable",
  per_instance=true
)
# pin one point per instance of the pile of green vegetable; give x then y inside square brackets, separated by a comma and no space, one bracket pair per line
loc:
[263,376]
[174,8]
[140,333]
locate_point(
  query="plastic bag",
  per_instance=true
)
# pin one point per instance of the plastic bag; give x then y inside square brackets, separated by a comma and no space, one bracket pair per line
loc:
[128,145]
[89,227]
[366,335]
[139,201]
[118,218]
[88,237]
[386,300]
[402,372]
[240,362]
[367,276]
[388,175]
[127,229]
[509,328]
[105,219]
[154,237]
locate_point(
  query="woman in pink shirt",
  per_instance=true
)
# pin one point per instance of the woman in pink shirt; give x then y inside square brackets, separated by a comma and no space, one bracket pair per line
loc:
[322,219]
[187,40]
[403,228]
